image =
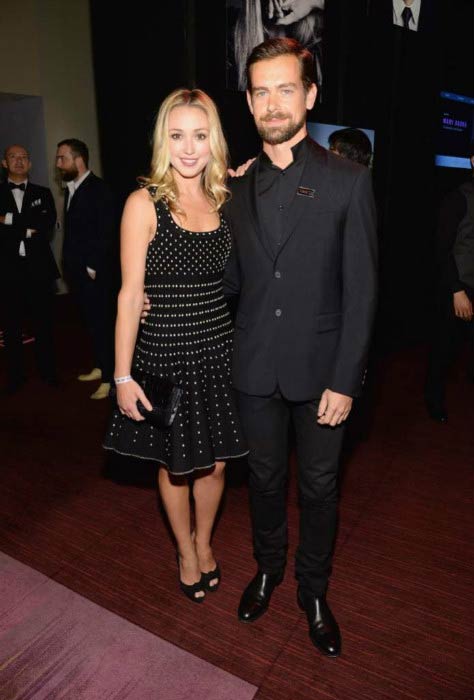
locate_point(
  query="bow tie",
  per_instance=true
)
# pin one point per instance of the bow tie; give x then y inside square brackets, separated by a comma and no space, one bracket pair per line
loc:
[14,186]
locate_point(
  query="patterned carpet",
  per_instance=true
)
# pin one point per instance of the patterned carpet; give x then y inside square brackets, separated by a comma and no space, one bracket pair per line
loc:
[402,580]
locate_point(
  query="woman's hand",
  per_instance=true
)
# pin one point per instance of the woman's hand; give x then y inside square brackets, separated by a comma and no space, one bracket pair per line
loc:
[128,394]
[146,308]
[242,169]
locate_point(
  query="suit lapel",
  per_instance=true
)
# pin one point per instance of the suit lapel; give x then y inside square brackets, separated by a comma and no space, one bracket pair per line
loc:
[78,193]
[13,207]
[309,180]
[27,199]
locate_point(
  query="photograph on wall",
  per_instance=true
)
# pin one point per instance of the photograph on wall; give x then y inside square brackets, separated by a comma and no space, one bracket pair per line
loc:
[406,14]
[249,22]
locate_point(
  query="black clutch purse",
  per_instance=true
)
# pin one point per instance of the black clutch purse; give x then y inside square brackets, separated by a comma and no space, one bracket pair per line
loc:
[164,396]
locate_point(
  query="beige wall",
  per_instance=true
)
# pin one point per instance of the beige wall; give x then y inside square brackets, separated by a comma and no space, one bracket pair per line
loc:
[45,49]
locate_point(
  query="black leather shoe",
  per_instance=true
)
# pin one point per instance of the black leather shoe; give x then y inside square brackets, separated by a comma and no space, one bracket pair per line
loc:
[323,628]
[256,597]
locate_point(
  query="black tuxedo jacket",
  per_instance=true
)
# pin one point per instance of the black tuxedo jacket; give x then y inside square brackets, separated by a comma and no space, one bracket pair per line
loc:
[304,315]
[90,228]
[38,212]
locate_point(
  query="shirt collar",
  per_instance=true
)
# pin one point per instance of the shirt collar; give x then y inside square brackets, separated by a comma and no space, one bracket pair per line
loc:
[81,179]
[298,150]
[72,185]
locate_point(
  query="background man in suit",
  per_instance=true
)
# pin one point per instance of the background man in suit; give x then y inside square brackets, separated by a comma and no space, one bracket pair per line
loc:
[89,254]
[304,268]
[27,267]
[454,291]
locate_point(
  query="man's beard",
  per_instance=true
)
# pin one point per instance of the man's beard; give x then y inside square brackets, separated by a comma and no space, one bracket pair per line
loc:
[274,135]
[69,175]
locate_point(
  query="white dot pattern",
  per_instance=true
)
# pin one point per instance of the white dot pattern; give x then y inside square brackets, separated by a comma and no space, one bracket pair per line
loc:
[187,336]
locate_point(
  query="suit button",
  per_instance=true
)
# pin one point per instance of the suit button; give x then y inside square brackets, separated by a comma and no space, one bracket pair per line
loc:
[277,274]
[278,312]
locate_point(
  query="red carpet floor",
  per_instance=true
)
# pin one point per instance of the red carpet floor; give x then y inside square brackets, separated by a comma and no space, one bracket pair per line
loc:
[402,581]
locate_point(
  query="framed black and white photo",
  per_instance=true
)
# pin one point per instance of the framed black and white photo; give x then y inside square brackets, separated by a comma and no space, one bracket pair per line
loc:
[249,22]
[406,14]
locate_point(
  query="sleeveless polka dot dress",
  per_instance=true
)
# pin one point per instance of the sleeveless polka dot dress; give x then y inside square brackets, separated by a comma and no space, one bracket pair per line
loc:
[187,337]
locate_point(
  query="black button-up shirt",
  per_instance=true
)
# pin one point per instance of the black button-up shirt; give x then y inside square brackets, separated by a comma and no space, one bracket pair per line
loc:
[276,188]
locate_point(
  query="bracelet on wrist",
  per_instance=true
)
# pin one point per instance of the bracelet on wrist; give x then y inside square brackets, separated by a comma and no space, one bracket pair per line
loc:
[123,380]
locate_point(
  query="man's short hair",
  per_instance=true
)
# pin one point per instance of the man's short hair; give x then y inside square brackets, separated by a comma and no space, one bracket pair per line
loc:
[284,46]
[352,144]
[78,148]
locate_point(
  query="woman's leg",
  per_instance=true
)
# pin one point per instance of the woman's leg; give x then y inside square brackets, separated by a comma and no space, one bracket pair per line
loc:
[207,492]
[175,496]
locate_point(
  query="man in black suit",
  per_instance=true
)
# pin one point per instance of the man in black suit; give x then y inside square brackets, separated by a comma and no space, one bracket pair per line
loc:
[27,267]
[304,270]
[89,254]
[454,291]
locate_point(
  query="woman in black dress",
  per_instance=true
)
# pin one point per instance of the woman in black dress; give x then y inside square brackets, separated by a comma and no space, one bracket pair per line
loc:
[175,244]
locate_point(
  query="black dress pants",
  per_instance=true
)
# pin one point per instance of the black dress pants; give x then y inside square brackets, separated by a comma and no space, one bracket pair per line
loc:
[266,422]
[449,332]
[96,304]
[22,299]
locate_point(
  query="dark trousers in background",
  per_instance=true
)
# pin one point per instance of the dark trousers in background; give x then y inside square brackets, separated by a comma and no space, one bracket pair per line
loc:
[449,333]
[32,300]
[95,299]
[266,422]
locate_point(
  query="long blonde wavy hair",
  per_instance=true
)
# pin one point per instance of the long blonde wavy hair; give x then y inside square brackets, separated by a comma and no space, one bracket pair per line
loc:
[160,182]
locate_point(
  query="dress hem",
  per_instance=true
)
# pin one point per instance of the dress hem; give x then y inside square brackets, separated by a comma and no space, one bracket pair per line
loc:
[161,461]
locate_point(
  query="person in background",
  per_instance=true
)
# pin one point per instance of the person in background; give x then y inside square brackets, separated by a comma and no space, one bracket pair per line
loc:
[89,254]
[353,144]
[454,292]
[28,269]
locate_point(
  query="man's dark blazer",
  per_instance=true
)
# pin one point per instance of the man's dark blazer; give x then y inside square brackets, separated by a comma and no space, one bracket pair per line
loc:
[89,229]
[304,316]
[38,212]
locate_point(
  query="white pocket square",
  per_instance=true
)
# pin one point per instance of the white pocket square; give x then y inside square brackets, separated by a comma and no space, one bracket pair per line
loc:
[36,203]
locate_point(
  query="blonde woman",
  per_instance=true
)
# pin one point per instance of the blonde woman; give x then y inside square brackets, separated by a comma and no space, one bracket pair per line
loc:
[175,244]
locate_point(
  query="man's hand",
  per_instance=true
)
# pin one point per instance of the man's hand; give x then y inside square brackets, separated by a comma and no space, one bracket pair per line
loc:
[242,169]
[145,308]
[333,408]
[462,306]
[2,219]
[286,12]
